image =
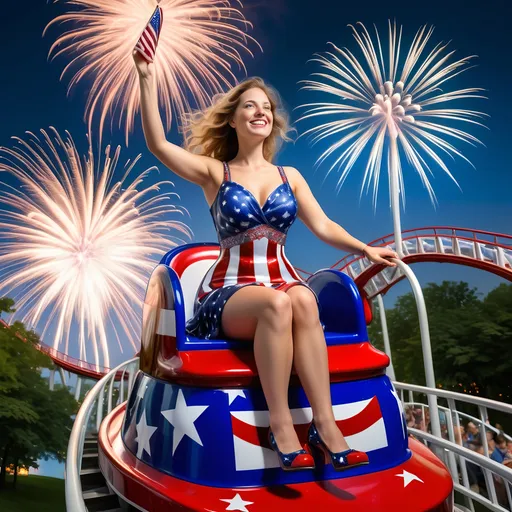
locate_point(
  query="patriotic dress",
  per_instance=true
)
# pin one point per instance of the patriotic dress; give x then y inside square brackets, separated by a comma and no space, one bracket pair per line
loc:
[252,239]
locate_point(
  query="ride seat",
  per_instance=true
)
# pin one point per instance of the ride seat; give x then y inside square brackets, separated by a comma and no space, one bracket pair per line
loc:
[169,352]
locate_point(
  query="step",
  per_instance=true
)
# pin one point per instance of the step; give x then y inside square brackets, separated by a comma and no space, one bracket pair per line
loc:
[90,460]
[91,478]
[100,499]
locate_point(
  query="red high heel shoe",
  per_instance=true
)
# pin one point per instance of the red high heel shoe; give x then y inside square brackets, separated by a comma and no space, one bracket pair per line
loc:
[294,461]
[146,45]
[340,460]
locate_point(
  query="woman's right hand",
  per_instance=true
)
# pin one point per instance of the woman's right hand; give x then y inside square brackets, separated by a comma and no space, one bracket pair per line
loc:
[144,69]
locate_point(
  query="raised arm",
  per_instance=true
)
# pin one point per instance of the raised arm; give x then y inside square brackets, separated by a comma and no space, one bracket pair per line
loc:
[194,168]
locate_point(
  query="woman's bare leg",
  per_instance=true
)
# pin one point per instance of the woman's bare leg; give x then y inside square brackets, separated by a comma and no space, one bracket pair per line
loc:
[311,365]
[265,315]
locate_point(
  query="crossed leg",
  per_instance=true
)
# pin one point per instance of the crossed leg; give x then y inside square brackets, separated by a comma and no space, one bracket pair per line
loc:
[285,328]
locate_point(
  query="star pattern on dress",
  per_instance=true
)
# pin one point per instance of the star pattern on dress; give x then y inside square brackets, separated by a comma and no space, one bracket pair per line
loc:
[144,433]
[233,394]
[237,503]
[409,477]
[235,225]
[182,418]
[236,204]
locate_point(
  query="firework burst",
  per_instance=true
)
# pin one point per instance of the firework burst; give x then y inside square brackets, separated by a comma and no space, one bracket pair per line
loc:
[199,41]
[75,245]
[395,103]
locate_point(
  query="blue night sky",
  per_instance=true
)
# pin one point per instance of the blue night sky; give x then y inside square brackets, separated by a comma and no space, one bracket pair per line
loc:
[290,32]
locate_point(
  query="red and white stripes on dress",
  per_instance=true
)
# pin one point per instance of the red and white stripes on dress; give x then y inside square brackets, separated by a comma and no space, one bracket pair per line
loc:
[257,261]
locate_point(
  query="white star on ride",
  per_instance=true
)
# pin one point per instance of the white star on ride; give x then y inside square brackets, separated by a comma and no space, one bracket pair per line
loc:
[233,394]
[182,418]
[237,503]
[144,433]
[409,477]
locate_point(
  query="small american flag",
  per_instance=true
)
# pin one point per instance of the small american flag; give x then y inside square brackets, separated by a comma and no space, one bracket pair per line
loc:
[146,45]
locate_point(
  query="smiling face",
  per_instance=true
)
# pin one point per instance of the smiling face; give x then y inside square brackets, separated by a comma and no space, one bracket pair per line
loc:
[253,115]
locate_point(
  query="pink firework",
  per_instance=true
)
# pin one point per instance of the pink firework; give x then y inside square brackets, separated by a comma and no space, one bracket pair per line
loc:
[199,42]
[75,246]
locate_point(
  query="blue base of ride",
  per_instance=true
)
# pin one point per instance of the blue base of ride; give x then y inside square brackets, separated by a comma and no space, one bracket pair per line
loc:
[217,437]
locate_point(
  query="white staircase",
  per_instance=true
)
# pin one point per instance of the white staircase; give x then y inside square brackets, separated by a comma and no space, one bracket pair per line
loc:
[86,489]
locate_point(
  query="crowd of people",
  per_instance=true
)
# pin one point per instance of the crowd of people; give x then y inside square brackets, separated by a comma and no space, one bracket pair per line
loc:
[499,447]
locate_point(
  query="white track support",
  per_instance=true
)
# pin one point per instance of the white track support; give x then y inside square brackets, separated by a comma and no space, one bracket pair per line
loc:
[51,380]
[390,371]
[62,377]
[78,387]
[425,344]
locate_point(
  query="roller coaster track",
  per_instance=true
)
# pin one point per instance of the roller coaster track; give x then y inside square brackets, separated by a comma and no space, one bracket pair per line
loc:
[471,247]
[66,362]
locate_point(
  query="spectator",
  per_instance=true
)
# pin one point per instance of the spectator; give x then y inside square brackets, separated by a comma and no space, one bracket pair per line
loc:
[472,431]
[509,450]
[475,474]
[426,423]
[460,435]
[491,443]
[418,418]
[409,416]
[500,452]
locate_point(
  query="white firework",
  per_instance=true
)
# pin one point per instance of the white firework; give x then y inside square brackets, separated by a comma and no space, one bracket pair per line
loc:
[391,103]
[76,246]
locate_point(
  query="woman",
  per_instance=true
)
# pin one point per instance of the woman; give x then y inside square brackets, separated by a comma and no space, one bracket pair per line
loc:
[253,204]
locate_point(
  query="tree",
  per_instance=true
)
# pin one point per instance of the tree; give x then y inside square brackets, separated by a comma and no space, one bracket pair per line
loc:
[34,422]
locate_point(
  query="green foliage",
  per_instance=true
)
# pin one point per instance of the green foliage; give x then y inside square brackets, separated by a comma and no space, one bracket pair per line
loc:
[6,305]
[34,492]
[471,338]
[34,422]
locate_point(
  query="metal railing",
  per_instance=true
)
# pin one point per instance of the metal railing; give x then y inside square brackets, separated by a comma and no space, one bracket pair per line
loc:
[425,341]
[429,232]
[498,477]
[99,400]
[489,251]
[467,417]
[58,356]
[496,493]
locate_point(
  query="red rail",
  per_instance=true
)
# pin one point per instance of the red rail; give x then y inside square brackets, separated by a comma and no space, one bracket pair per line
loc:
[67,362]
[434,231]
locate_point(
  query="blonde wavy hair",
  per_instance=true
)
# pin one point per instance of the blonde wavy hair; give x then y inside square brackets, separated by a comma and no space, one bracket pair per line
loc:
[208,132]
